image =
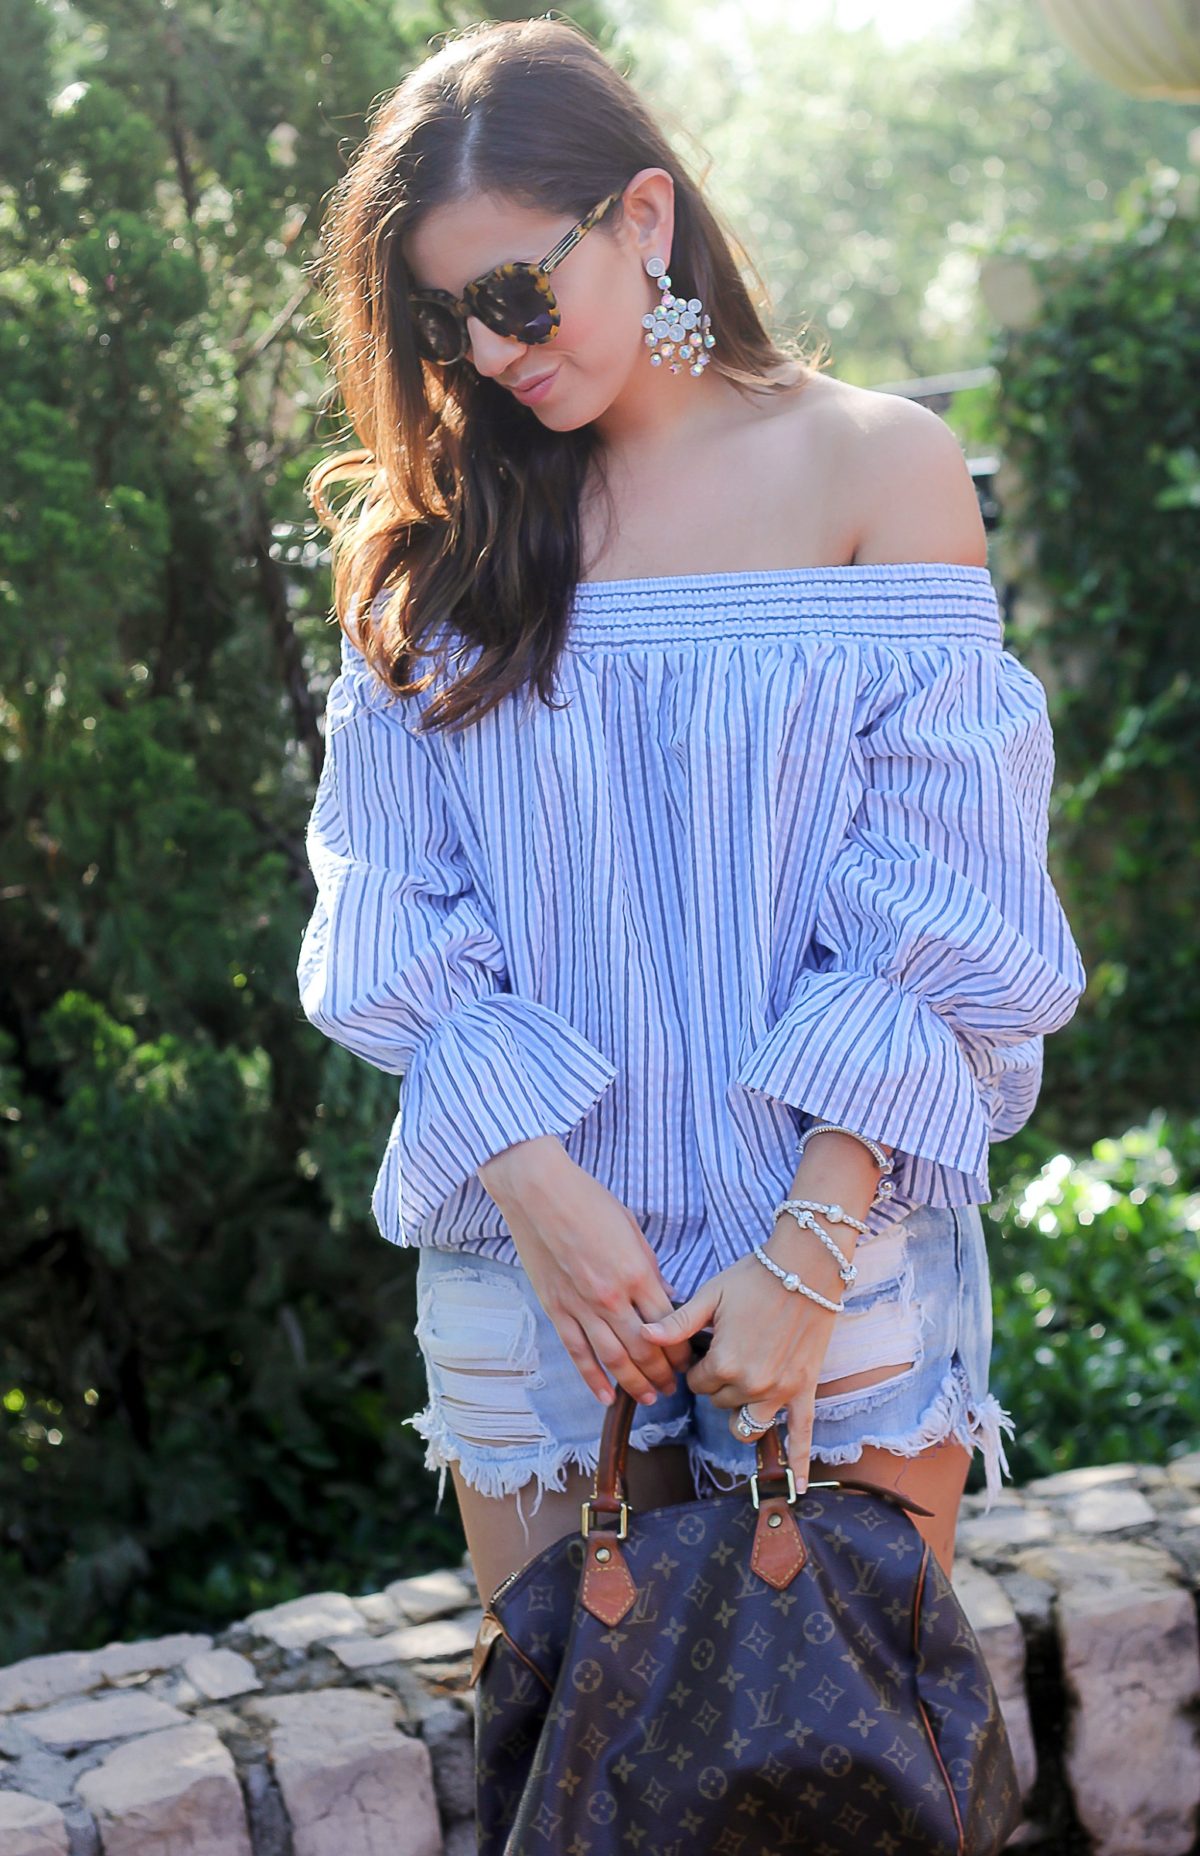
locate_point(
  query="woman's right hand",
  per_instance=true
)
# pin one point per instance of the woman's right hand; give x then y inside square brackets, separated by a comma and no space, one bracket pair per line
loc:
[590,1266]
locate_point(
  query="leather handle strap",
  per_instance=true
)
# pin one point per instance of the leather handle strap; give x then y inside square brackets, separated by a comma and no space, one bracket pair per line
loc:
[608,1484]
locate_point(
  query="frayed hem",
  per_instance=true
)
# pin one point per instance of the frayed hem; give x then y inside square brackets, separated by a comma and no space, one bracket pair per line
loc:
[500,1477]
[508,1477]
[645,1436]
[707,1470]
[951,1413]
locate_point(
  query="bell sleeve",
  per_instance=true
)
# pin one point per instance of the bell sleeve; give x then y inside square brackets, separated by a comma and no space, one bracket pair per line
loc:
[940,956]
[400,961]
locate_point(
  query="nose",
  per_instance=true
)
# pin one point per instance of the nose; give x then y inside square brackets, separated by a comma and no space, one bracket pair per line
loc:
[492,354]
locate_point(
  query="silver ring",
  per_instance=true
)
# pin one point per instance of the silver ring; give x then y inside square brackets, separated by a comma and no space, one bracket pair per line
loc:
[748,1426]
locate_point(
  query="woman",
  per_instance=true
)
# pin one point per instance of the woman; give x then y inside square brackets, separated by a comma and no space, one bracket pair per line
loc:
[719,817]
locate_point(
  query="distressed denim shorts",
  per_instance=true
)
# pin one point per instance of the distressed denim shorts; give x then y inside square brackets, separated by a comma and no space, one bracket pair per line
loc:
[507,1402]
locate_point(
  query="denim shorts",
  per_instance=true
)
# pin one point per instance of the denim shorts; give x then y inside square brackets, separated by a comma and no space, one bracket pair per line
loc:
[508,1403]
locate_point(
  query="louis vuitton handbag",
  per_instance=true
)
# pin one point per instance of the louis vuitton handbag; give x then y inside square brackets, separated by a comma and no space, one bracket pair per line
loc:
[753,1673]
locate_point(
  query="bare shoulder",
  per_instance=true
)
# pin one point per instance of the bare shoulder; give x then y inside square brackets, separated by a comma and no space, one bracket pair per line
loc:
[903,481]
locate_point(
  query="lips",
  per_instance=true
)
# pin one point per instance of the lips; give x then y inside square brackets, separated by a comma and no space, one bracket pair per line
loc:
[524,386]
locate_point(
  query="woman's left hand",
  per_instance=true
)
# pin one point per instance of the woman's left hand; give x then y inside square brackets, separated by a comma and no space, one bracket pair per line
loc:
[768,1346]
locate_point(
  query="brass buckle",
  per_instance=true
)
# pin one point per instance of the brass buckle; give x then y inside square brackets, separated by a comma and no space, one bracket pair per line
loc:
[791,1485]
[622,1520]
[835,1484]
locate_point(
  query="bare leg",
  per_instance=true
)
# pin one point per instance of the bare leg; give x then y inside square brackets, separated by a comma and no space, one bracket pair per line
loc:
[935,1478]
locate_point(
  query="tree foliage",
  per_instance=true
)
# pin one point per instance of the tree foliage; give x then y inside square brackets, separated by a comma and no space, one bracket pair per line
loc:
[207,1350]
[870,178]
[1098,418]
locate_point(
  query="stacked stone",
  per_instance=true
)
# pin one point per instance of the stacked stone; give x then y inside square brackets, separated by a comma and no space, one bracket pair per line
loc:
[340,1726]
[325,1726]
[1082,1586]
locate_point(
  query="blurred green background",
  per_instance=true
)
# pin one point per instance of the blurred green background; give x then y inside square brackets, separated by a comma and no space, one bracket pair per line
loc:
[206,1348]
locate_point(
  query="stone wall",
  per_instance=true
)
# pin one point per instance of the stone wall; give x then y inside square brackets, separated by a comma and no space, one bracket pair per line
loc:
[343,1726]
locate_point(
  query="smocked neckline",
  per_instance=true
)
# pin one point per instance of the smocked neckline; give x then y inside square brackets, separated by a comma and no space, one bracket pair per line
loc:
[908,602]
[726,576]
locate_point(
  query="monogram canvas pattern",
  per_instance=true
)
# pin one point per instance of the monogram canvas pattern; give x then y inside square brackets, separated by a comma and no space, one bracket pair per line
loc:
[848,1711]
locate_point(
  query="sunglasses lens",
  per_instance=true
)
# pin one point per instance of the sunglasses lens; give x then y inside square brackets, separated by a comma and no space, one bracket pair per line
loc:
[512,304]
[509,302]
[437,332]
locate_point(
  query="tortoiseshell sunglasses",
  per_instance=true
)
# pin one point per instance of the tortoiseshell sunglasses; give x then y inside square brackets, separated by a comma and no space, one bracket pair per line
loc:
[514,299]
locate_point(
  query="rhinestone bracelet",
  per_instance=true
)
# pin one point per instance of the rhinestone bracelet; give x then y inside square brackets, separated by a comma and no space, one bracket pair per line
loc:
[847,1271]
[886,1187]
[790,1280]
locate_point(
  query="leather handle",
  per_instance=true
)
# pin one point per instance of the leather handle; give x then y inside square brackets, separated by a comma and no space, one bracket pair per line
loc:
[608,1485]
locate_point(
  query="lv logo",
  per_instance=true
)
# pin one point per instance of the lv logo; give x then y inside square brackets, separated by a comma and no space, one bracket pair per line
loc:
[641,1613]
[749,1583]
[867,1573]
[906,1818]
[654,1735]
[766,1713]
[520,1682]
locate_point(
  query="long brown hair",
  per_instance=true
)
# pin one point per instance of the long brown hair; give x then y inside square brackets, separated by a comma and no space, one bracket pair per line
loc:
[465,513]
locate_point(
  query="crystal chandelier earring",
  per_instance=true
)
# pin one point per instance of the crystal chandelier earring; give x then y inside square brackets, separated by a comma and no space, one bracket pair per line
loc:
[677,320]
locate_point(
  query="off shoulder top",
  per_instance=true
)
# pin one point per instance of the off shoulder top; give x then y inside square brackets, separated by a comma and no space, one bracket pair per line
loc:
[781,857]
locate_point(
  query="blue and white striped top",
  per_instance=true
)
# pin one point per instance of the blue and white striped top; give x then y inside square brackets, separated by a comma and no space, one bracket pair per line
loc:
[782,857]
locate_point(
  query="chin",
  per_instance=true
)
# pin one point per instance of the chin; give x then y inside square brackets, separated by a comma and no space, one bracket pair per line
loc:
[567,409]
[560,412]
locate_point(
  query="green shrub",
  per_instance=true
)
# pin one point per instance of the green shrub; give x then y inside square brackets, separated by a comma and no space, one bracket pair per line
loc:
[1096,1301]
[1099,417]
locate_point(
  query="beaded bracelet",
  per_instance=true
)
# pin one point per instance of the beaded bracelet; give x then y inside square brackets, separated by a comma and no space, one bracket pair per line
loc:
[802,1210]
[790,1280]
[834,1213]
[847,1271]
